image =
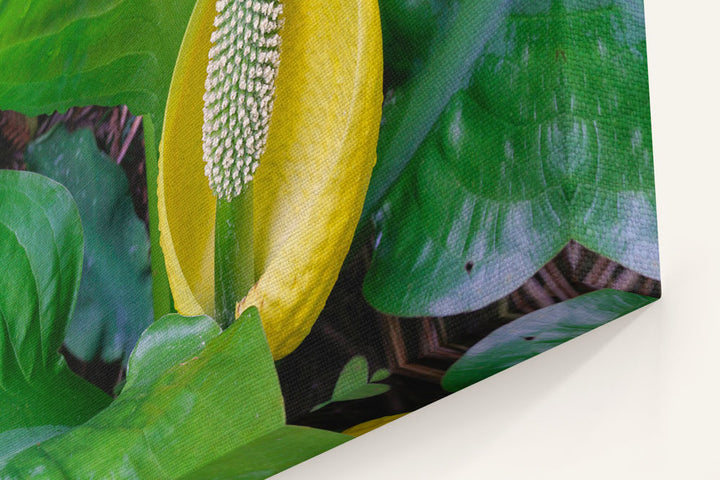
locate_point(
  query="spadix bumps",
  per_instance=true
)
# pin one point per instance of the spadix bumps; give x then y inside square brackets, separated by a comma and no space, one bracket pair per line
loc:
[239,91]
[309,191]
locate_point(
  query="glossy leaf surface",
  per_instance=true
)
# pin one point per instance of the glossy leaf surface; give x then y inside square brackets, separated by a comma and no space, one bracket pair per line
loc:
[41,253]
[539,331]
[115,299]
[534,132]
[166,343]
[65,53]
[153,429]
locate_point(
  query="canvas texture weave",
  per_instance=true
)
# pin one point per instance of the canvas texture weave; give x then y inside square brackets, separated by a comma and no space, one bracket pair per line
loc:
[238,233]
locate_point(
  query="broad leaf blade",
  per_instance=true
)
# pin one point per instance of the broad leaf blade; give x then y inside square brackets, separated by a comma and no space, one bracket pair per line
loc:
[539,331]
[413,108]
[62,53]
[270,454]
[155,429]
[115,299]
[41,252]
[17,440]
[544,138]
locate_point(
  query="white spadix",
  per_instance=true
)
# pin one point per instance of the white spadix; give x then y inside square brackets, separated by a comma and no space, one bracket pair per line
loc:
[239,91]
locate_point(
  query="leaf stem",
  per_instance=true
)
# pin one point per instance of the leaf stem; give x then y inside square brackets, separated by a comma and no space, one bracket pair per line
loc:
[234,258]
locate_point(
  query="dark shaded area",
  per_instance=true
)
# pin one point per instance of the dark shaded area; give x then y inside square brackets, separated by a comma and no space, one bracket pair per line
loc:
[347,326]
[16,131]
[418,351]
[103,375]
[406,395]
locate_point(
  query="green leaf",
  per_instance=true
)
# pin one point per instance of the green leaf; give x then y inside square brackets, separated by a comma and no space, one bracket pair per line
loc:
[207,406]
[270,454]
[410,111]
[363,391]
[187,384]
[41,253]
[67,53]
[529,126]
[537,332]
[162,296]
[353,375]
[167,342]
[380,375]
[17,440]
[115,299]
[352,384]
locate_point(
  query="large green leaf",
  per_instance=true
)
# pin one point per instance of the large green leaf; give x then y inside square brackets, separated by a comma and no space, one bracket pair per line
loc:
[115,300]
[535,131]
[56,54]
[223,397]
[197,403]
[439,70]
[41,254]
[270,454]
[537,332]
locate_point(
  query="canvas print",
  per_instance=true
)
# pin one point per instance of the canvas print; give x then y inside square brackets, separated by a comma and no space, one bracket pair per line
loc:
[235,234]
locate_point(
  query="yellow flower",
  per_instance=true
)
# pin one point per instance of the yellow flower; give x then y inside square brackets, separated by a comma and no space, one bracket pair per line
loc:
[311,182]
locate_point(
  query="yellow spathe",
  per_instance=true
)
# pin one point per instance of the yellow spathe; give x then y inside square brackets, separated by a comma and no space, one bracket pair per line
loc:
[371,425]
[311,183]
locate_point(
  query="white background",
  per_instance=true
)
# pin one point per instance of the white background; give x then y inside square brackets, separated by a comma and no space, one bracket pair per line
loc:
[638,398]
